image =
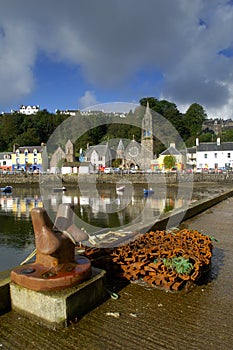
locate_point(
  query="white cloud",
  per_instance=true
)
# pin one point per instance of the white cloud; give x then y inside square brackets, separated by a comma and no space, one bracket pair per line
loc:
[112,41]
[87,100]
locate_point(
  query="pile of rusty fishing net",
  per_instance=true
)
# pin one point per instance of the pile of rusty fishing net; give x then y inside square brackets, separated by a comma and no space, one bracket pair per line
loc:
[166,259]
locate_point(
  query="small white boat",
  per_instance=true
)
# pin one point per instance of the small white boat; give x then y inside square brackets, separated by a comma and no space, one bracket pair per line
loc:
[120,188]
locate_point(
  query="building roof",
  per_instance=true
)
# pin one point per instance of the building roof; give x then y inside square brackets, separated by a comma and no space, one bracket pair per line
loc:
[120,146]
[71,164]
[30,148]
[85,164]
[170,151]
[101,150]
[213,146]
[191,150]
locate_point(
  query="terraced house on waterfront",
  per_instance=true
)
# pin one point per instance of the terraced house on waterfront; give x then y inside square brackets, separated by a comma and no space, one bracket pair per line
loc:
[27,158]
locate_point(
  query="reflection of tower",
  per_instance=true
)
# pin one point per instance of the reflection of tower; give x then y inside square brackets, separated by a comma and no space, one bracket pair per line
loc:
[147,138]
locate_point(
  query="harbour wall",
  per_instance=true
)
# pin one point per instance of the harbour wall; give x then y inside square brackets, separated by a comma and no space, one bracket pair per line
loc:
[169,178]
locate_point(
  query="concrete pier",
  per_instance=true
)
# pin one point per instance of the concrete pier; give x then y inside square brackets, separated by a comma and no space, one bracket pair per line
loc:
[57,309]
[148,318]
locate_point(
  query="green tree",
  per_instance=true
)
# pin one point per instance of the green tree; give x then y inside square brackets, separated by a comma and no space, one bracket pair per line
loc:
[194,118]
[169,162]
[170,112]
[227,136]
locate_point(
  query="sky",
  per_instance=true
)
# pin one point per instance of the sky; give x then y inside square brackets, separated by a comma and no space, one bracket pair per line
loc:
[74,54]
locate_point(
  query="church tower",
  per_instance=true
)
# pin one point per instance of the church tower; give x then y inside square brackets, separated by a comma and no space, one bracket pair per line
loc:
[69,151]
[147,138]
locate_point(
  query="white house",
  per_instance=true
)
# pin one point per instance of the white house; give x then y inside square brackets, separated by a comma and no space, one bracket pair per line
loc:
[214,154]
[70,168]
[191,157]
[86,168]
[100,156]
[29,109]
[6,161]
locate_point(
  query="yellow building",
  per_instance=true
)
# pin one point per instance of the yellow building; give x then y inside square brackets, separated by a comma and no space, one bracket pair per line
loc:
[27,158]
[171,151]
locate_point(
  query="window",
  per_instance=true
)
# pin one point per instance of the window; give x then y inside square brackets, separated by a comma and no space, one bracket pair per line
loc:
[26,152]
[4,162]
[228,155]
[35,152]
[26,160]
[35,160]
[17,160]
[205,155]
[215,155]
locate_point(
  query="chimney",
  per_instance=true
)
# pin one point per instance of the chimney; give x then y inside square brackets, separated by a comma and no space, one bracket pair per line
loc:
[197,141]
[218,141]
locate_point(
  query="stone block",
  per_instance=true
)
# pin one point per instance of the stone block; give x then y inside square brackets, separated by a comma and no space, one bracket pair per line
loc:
[57,309]
[5,303]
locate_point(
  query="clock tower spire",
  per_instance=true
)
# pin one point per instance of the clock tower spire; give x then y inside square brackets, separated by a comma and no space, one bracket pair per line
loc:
[147,138]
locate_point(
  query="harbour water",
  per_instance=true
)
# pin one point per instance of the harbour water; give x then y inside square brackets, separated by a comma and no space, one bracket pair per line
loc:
[106,208]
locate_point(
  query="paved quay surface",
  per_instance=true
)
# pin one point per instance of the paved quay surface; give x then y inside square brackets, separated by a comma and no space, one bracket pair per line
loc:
[148,318]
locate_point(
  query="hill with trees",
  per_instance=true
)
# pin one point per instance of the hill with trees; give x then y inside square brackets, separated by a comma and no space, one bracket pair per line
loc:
[28,130]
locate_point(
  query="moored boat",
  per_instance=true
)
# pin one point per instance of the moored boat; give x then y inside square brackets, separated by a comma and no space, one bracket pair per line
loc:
[59,189]
[6,189]
[148,191]
[120,188]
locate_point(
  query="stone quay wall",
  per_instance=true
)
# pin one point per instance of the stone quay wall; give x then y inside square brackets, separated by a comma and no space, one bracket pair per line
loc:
[73,179]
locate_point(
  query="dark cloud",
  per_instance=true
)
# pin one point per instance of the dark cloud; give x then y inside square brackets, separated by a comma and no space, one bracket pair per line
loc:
[113,40]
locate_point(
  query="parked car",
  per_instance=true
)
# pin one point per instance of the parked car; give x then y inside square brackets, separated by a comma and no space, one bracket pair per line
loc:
[117,170]
[198,170]
[133,171]
[211,170]
[222,170]
[108,170]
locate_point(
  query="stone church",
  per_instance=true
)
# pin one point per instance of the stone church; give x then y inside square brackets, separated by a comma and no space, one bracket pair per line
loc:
[132,154]
[140,155]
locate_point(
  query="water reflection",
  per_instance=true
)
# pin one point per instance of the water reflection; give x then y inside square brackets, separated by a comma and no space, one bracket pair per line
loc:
[20,207]
[109,208]
[104,208]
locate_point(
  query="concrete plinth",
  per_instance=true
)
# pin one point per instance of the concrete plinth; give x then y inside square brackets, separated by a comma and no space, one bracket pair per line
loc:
[5,303]
[57,309]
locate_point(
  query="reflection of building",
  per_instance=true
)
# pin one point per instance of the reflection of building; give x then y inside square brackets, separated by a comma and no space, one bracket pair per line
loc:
[20,206]
[27,158]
